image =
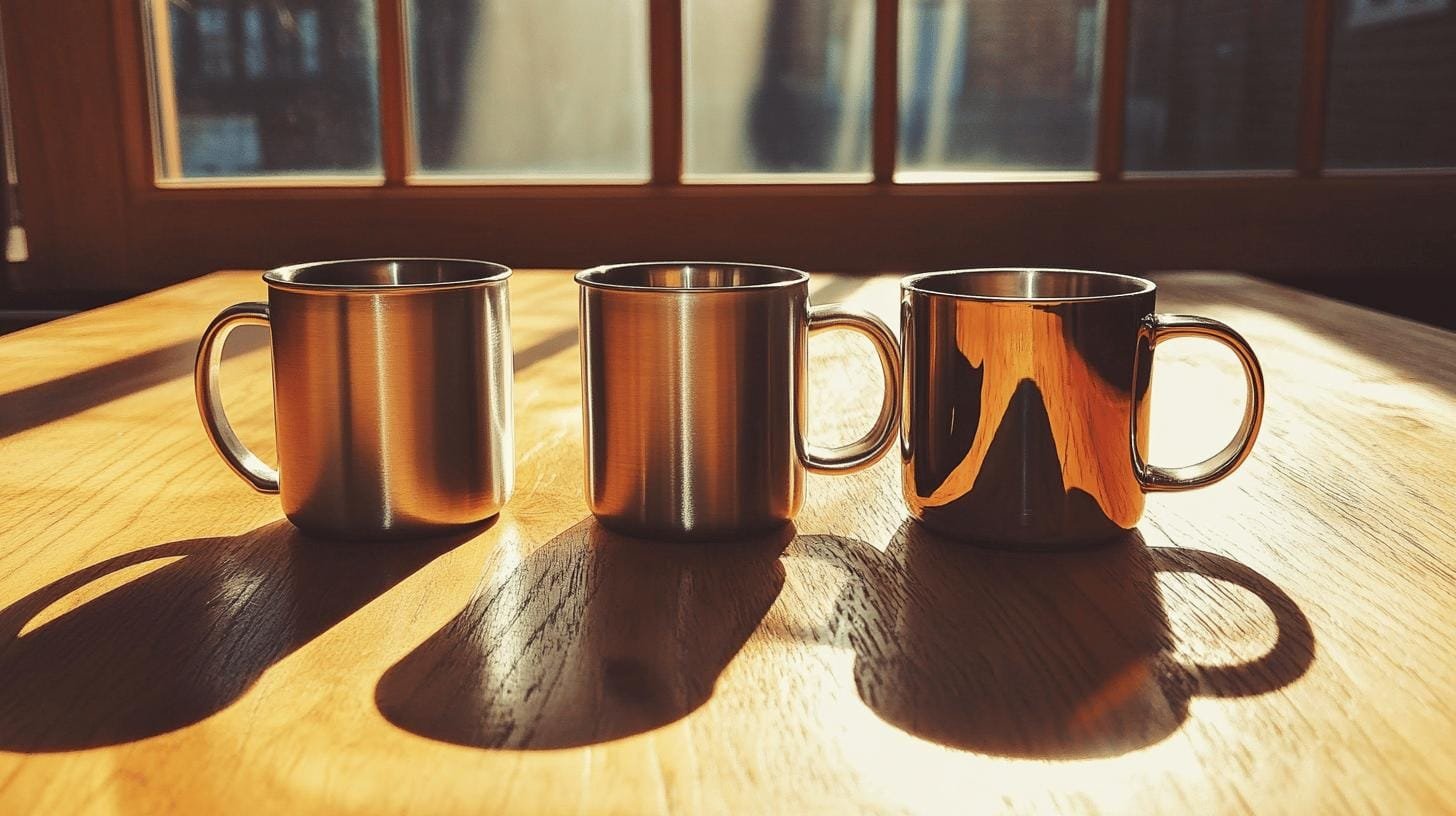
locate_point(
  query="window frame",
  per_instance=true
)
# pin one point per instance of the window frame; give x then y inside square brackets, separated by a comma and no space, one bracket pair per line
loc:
[666,124]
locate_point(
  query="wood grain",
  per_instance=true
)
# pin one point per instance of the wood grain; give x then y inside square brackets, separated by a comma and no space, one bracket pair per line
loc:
[1279,642]
[1269,224]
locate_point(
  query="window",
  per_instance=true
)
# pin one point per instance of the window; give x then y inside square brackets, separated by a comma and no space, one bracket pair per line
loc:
[572,92]
[777,87]
[530,89]
[994,86]
[277,88]
[1213,85]
[1393,85]
[1306,135]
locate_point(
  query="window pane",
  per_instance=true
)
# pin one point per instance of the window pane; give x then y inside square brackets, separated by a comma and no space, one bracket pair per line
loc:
[1392,97]
[521,88]
[1213,84]
[998,85]
[777,86]
[265,88]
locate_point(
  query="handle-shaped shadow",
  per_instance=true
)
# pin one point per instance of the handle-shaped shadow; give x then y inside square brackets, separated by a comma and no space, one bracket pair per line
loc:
[592,637]
[1039,655]
[178,644]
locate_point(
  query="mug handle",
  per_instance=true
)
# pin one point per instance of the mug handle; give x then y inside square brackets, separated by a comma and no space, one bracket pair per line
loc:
[244,462]
[1159,327]
[868,449]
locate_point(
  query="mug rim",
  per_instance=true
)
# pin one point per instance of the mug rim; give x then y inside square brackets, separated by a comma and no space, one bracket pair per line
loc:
[1141,286]
[591,277]
[284,277]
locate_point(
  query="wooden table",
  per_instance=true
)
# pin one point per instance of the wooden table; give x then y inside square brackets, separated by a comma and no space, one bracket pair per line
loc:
[1280,642]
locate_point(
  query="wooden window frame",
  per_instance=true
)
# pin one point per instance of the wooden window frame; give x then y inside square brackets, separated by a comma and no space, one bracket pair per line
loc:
[666,87]
[1303,219]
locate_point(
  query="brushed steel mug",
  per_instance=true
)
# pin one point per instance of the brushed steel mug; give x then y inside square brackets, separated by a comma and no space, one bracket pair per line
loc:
[391,394]
[693,396]
[1026,403]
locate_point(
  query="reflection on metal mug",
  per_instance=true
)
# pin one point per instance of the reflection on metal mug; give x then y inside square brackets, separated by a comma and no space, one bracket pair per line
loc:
[1026,404]
[392,394]
[693,396]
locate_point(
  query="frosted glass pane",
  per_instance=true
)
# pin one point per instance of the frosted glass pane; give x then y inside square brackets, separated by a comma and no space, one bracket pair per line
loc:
[777,86]
[1213,84]
[998,85]
[265,88]
[1392,97]
[525,88]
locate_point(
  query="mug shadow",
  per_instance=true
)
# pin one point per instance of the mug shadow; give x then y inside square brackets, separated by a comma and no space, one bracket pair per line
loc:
[180,643]
[1034,655]
[592,637]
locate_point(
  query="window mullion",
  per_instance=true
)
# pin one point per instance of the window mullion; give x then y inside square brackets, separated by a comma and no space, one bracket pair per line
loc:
[1313,87]
[394,129]
[665,64]
[886,125]
[1112,101]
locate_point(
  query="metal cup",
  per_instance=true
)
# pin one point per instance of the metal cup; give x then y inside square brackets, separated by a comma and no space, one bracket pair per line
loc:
[392,394]
[693,396]
[1026,403]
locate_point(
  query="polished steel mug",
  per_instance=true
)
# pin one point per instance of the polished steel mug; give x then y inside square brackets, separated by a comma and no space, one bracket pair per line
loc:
[1026,404]
[391,391]
[693,396]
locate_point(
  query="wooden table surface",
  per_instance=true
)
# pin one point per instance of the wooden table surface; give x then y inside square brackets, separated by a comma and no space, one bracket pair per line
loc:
[1280,642]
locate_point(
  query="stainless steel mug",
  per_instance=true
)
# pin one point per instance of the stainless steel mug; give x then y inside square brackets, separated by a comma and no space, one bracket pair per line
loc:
[1026,403]
[693,396]
[391,391]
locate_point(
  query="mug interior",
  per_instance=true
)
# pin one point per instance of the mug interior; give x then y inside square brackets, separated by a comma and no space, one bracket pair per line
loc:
[690,276]
[1028,284]
[387,273]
